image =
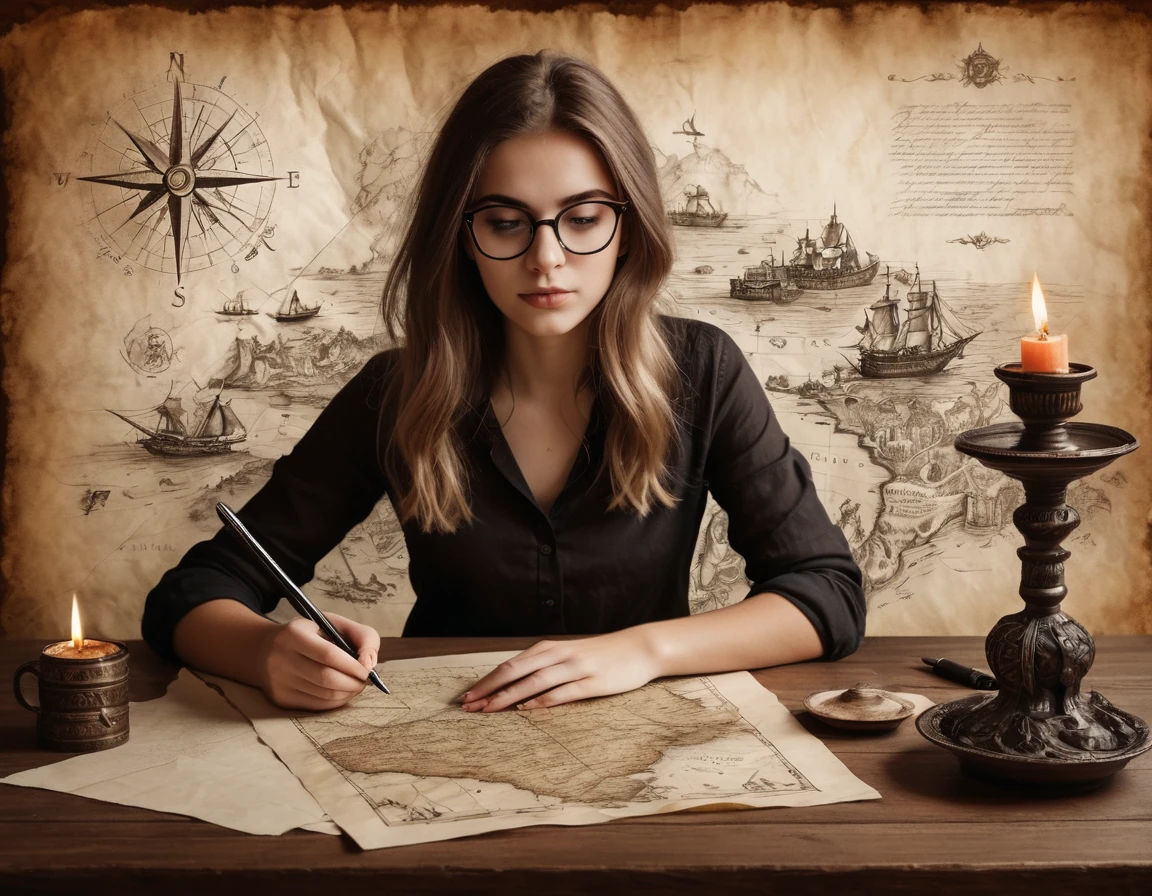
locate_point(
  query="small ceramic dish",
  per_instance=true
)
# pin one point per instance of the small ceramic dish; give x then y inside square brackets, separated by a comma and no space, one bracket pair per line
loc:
[864,707]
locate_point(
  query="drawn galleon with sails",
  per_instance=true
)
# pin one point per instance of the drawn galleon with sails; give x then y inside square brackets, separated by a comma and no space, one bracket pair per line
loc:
[213,428]
[928,337]
[831,261]
[697,210]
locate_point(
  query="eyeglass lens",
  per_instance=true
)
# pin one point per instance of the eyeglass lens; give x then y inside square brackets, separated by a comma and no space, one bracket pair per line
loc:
[504,232]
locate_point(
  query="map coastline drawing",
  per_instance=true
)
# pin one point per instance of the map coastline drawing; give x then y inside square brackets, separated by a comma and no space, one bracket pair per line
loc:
[411,770]
[413,766]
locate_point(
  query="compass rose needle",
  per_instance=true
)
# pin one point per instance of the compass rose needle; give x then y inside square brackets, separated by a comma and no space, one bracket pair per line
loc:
[144,225]
[179,211]
[185,176]
[147,201]
[152,182]
[176,132]
[222,177]
[153,157]
[133,180]
[202,199]
[198,154]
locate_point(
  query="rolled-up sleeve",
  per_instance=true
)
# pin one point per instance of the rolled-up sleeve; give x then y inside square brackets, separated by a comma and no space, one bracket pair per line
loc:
[775,518]
[328,483]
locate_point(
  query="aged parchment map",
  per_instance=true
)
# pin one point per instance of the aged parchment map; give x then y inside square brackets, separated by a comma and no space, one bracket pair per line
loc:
[202,209]
[413,767]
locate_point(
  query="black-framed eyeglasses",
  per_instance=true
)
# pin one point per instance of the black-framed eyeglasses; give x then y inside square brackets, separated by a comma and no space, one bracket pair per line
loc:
[503,232]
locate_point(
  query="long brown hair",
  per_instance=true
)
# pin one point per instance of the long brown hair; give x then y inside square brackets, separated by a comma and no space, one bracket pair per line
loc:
[452,332]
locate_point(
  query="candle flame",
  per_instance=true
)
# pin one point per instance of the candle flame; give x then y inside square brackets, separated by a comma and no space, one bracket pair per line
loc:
[1039,309]
[77,633]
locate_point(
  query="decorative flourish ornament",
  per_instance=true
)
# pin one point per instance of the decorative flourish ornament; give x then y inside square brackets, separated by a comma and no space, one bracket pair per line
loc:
[980,68]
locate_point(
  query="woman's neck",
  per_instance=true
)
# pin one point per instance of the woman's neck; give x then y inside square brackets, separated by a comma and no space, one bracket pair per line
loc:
[545,368]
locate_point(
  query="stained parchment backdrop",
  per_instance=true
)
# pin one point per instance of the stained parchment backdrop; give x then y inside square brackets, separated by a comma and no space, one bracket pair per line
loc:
[881,113]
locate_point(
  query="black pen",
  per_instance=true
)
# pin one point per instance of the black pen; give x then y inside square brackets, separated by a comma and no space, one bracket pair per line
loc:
[296,597]
[962,674]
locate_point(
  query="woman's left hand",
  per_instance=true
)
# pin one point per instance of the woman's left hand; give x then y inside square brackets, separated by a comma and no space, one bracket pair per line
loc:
[553,672]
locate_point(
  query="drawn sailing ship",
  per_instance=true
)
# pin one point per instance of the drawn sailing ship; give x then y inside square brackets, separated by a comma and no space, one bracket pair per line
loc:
[292,309]
[213,429]
[697,211]
[763,282]
[235,306]
[830,262]
[928,338]
[356,591]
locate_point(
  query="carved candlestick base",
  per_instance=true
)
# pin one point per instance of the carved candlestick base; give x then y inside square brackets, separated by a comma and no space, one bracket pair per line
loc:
[1039,727]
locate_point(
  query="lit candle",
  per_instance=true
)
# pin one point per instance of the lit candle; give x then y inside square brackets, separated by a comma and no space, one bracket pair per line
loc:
[79,648]
[1042,353]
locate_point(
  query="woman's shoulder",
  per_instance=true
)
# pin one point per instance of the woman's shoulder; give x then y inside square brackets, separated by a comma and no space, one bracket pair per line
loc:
[383,365]
[697,345]
[372,381]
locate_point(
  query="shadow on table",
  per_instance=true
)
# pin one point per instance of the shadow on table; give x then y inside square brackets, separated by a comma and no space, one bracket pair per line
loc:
[937,775]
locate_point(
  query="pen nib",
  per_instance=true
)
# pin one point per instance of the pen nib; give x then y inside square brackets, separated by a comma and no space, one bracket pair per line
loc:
[928,661]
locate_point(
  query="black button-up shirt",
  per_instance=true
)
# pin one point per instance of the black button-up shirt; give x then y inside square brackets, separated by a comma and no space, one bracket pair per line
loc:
[576,569]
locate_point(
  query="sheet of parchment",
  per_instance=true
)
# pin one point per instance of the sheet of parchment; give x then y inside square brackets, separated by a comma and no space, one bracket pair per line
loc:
[190,753]
[979,144]
[414,767]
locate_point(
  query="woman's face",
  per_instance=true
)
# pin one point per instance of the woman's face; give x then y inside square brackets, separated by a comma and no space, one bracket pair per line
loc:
[542,174]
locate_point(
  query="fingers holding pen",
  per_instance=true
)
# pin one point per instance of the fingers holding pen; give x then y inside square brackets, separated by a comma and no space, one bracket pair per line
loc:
[325,678]
[326,685]
[304,670]
[365,640]
[316,647]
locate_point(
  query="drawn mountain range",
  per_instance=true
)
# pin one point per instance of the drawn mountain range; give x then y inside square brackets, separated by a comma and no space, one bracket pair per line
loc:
[321,357]
[730,187]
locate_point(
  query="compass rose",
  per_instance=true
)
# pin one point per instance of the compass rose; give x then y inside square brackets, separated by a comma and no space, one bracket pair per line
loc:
[181,190]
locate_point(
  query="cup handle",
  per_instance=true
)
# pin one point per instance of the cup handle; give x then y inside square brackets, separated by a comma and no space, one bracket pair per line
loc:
[32,667]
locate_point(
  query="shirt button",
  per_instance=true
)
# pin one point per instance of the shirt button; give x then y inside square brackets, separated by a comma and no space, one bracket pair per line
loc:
[545,549]
[549,603]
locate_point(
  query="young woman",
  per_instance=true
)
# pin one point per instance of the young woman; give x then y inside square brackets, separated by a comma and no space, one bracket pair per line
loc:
[547,438]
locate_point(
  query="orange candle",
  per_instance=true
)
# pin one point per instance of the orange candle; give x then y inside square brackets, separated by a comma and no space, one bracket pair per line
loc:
[79,647]
[1042,353]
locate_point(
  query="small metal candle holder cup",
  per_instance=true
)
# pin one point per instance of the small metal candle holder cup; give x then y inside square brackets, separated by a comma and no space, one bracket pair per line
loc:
[1039,728]
[83,702]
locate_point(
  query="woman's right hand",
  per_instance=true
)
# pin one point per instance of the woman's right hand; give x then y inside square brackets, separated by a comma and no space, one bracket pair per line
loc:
[302,669]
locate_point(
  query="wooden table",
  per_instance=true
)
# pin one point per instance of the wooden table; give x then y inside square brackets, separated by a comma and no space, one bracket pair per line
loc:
[935,831]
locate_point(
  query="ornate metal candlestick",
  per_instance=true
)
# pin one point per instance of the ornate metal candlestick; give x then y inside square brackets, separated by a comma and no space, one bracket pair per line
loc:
[1039,727]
